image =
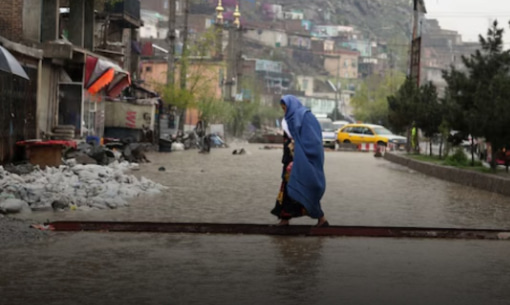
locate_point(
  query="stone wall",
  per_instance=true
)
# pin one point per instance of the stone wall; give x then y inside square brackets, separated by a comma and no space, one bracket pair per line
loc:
[474,179]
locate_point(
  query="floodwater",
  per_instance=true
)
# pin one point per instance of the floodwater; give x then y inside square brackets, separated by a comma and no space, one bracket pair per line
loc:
[126,268]
[361,190]
[116,268]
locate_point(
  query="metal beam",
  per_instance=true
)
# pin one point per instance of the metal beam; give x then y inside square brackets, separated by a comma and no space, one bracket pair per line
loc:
[293,230]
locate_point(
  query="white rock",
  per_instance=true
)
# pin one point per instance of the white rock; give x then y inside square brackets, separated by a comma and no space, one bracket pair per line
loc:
[177,146]
[92,186]
[13,205]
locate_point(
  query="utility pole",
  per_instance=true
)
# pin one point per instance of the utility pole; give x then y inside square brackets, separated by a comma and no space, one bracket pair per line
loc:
[184,55]
[183,71]
[418,8]
[335,111]
[171,39]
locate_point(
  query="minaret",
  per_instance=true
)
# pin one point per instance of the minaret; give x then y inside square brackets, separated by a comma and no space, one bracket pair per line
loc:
[219,30]
[219,13]
[237,16]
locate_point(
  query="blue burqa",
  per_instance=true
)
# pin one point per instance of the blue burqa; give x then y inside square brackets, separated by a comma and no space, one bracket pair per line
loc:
[307,182]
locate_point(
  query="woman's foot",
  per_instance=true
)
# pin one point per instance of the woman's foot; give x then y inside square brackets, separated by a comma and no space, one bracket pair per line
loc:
[323,222]
[283,223]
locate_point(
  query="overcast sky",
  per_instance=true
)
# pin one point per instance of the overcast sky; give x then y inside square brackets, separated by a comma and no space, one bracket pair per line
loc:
[470,17]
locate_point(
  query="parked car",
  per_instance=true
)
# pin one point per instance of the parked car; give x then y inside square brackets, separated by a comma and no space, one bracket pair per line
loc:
[328,132]
[369,133]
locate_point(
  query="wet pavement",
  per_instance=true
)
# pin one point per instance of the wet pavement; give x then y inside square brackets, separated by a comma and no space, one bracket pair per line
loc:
[114,268]
[361,190]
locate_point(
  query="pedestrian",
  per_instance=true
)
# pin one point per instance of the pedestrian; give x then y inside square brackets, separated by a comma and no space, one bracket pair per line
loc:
[303,181]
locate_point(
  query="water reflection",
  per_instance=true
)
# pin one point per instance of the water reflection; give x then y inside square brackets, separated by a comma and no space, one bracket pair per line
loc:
[298,268]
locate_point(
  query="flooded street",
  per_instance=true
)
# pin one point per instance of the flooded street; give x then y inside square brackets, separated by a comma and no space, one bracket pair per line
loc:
[361,190]
[115,268]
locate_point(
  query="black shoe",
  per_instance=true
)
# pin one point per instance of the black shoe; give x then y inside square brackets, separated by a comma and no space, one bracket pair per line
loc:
[322,225]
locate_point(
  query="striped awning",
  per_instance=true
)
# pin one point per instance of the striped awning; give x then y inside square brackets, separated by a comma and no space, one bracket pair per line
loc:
[101,74]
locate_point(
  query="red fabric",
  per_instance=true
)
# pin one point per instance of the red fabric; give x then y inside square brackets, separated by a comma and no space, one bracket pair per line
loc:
[115,90]
[101,73]
[89,68]
[147,49]
[48,143]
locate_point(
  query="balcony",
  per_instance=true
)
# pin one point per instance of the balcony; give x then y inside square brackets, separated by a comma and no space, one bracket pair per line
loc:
[126,11]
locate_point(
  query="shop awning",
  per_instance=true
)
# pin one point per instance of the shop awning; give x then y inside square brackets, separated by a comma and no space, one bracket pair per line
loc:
[103,74]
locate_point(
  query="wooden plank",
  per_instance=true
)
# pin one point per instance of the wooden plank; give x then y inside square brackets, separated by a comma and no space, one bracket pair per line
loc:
[293,230]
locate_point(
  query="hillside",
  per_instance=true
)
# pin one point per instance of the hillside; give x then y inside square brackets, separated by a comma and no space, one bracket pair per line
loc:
[386,21]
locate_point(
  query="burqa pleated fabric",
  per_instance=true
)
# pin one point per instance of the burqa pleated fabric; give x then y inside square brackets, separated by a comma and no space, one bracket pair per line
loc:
[307,182]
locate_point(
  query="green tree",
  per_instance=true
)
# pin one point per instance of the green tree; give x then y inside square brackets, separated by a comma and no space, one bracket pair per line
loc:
[370,101]
[200,85]
[429,112]
[242,114]
[480,96]
[253,110]
[402,108]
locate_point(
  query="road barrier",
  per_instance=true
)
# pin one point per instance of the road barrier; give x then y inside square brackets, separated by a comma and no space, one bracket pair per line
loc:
[366,147]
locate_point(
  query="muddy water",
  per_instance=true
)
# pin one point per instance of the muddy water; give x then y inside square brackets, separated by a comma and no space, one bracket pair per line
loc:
[361,190]
[113,268]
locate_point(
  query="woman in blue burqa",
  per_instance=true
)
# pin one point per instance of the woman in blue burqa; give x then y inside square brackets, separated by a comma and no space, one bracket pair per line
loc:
[303,181]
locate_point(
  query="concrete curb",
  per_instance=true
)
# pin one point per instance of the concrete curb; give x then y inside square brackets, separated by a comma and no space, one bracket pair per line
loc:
[461,176]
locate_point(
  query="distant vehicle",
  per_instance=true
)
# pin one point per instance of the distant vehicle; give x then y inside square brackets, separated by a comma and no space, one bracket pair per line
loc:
[340,124]
[328,132]
[369,133]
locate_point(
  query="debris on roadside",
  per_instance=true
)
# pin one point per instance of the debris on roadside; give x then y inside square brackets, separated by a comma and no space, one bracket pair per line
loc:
[239,151]
[74,185]
[272,147]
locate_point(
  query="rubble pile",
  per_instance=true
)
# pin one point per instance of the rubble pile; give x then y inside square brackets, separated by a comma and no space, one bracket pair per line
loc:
[73,186]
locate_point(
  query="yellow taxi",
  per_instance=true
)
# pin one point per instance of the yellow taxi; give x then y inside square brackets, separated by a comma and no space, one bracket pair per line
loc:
[369,133]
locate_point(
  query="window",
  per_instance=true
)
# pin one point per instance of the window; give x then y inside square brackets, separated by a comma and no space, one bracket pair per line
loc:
[148,69]
[165,4]
[346,63]
[367,131]
[382,131]
[357,130]
[353,64]
[305,84]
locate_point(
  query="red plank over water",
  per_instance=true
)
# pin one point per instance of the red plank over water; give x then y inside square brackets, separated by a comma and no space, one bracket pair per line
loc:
[292,230]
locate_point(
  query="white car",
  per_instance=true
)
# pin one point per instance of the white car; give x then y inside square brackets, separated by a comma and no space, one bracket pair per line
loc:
[328,132]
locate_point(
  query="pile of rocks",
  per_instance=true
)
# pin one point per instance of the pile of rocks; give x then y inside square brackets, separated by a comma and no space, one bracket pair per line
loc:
[74,186]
